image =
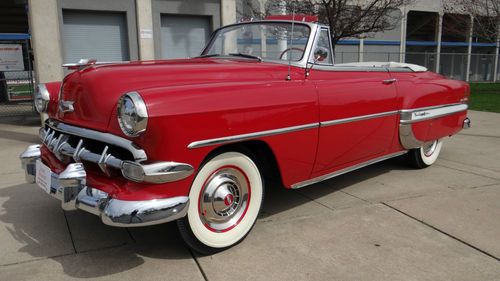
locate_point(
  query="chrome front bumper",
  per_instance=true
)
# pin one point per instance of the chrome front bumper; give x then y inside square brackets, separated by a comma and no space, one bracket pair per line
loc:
[70,188]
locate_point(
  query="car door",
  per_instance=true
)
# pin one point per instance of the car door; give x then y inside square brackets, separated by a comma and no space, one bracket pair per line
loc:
[358,114]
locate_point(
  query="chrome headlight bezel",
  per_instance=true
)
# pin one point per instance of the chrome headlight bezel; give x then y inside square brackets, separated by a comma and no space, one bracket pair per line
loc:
[41,98]
[133,120]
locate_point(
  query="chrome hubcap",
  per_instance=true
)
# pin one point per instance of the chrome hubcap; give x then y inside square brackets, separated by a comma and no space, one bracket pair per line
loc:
[429,148]
[224,199]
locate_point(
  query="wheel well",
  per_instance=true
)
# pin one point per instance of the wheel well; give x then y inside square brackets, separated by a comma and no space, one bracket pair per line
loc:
[259,151]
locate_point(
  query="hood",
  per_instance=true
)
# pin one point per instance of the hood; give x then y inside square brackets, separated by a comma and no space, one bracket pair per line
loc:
[95,90]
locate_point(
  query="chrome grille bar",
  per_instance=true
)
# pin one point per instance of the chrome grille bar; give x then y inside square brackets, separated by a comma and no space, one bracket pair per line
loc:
[61,148]
[68,143]
[138,154]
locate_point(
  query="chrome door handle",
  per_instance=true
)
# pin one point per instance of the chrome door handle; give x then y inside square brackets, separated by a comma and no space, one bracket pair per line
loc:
[389,81]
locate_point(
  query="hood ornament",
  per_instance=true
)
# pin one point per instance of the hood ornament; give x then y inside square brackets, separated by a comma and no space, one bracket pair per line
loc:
[82,63]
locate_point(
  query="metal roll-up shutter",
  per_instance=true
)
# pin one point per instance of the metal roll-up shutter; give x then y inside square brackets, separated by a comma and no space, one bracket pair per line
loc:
[183,36]
[99,35]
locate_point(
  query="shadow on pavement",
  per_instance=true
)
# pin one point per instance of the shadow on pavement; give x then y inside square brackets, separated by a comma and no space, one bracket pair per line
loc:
[18,136]
[37,225]
[277,199]
[29,219]
[23,120]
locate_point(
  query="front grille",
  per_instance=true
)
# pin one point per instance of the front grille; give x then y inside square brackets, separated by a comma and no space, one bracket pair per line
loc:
[94,153]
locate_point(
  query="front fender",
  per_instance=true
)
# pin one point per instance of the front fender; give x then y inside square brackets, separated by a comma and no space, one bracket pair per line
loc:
[180,115]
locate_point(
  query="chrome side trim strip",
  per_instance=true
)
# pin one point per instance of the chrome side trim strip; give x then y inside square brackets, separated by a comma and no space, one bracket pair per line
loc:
[242,137]
[346,170]
[139,154]
[358,118]
[236,138]
[409,116]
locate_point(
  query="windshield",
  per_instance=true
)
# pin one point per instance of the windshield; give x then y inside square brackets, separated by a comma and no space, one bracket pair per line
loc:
[269,41]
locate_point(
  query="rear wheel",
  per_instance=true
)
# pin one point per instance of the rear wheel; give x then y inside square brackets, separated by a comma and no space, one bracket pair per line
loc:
[426,155]
[225,200]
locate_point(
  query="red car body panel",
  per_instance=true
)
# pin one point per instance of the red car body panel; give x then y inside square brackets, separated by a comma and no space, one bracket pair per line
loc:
[344,95]
[199,99]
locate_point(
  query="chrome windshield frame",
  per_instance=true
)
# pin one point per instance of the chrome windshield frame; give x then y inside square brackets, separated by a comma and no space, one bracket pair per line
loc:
[314,27]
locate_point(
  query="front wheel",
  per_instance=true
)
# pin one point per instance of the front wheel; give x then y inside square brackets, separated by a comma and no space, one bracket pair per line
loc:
[426,155]
[225,200]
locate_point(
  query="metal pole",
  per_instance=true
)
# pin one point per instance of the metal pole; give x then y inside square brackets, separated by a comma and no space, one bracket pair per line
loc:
[30,69]
[402,46]
[469,51]
[361,50]
[439,38]
[497,47]
[31,83]
[453,64]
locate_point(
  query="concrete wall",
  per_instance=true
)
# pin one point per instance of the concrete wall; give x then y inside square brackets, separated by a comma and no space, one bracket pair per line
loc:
[426,6]
[145,29]
[228,12]
[46,40]
[143,26]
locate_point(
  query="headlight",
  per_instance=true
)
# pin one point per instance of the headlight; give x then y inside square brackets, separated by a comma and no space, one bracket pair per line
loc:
[132,114]
[41,98]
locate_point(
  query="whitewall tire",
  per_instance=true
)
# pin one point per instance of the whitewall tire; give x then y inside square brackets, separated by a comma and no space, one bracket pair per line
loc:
[225,200]
[426,155]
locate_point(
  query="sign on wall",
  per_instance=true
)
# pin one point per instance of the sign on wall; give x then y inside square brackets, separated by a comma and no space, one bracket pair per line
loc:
[11,57]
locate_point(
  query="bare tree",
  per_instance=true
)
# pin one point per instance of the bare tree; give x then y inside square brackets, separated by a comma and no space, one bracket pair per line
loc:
[346,18]
[486,15]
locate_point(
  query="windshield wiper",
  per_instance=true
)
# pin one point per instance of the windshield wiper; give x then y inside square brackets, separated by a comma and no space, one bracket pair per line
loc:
[208,55]
[246,56]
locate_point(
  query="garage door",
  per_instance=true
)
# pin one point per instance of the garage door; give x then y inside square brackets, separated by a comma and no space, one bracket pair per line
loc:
[99,35]
[183,36]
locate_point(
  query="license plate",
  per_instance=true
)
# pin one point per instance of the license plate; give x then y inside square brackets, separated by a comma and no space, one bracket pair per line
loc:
[43,176]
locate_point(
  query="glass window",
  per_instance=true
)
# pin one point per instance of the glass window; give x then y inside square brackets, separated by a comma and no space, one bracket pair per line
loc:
[322,51]
[270,41]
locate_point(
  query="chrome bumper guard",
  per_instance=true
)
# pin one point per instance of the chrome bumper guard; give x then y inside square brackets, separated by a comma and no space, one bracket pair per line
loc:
[466,124]
[70,188]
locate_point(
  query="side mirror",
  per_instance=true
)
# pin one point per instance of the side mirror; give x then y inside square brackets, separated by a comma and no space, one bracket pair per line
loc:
[320,54]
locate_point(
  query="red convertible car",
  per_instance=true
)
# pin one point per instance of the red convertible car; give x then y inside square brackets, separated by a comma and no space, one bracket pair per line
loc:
[195,140]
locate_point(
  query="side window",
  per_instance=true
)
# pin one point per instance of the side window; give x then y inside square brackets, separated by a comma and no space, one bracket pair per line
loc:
[322,51]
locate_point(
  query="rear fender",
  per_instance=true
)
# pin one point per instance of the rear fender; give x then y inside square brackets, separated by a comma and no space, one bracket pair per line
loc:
[433,107]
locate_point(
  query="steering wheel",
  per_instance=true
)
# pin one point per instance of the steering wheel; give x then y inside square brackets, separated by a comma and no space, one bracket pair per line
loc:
[288,50]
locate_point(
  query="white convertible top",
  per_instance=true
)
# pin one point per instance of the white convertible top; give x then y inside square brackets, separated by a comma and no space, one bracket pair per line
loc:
[413,67]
